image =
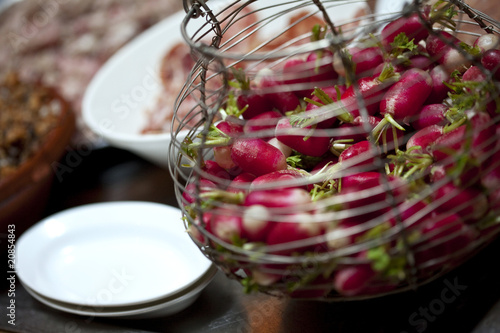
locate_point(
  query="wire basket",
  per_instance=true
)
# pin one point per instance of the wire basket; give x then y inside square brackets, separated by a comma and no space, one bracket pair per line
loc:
[331,194]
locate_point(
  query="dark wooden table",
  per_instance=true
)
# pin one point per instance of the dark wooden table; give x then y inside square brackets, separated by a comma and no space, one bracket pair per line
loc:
[465,300]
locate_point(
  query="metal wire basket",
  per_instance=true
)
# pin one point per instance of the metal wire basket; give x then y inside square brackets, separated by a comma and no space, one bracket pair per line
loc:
[329,225]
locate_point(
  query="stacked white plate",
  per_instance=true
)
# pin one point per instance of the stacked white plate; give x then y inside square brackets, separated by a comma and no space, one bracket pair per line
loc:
[119,259]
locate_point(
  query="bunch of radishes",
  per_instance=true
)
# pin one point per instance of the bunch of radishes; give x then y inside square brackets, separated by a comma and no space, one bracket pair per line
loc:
[351,170]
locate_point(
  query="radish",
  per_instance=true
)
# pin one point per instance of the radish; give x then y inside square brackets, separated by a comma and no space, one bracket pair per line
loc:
[490,177]
[487,42]
[308,141]
[362,153]
[365,60]
[422,62]
[249,99]
[358,130]
[290,177]
[190,192]
[297,230]
[287,151]
[226,131]
[324,73]
[256,223]
[440,78]
[469,203]
[215,170]
[491,61]
[324,96]
[475,139]
[431,114]
[420,141]
[286,197]
[241,182]
[263,124]
[257,156]
[413,26]
[225,225]
[280,96]
[447,50]
[352,280]
[405,98]
[443,236]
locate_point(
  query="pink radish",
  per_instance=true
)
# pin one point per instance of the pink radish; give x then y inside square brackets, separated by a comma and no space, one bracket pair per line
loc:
[290,177]
[249,99]
[491,61]
[215,170]
[448,51]
[324,73]
[256,223]
[225,225]
[406,97]
[222,153]
[487,42]
[308,141]
[469,203]
[287,197]
[299,228]
[412,26]
[362,153]
[257,156]
[475,140]
[443,236]
[263,124]
[365,60]
[241,183]
[422,62]
[352,280]
[190,192]
[439,88]
[431,114]
[422,139]
[281,97]
[358,130]
[322,97]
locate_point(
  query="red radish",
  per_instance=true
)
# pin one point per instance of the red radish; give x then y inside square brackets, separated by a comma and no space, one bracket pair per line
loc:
[421,61]
[327,162]
[474,74]
[423,139]
[358,130]
[406,97]
[469,174]
[490,176]
[491,61]
[257,223]
[475,139]
[431,114]
[412,26]
[225,225]
[352,280]
[371,89]
[190,192]
[487,42]
[362,153]
[254,102]
[469,203]
[325,96]
[290,177]
[439,88]
[222,154]
[365,60]
[447,50]
[215,170]
[324,73]
[257,156]
[443,236]
[281,97]
[411,214]
[241,183]
[297,72]
[308,141]
[263,124]
[299,227]
[287,197]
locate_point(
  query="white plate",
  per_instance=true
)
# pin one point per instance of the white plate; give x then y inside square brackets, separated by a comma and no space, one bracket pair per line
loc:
[159,308]
[110,254]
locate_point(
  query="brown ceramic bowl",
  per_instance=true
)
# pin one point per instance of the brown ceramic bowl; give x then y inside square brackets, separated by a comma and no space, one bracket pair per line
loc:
[24,193]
